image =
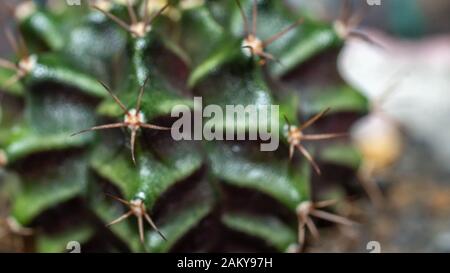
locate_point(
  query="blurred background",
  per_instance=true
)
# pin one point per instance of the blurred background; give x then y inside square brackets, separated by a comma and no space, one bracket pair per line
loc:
[415,36]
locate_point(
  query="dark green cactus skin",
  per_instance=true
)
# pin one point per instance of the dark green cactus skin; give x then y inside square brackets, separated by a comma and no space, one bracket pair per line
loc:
[203,196]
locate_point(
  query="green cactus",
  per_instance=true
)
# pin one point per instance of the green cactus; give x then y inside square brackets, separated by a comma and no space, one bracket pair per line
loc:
[202,195]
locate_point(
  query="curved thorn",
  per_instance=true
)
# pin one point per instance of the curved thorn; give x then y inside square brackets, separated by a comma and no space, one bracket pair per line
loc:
[324,204]
[146,12]
[113,17]
[345,11]
[118,199]
[150,21]
[332,217]
[355,20]
[131,12]
[244,18]
[22,44]
[314,119]
[301,234]
[116,99]
[270,57]
[12,42]
[324,136]
[101,127]
[291,151]
[141,93]
[312,228]
[309,158]
[8,65]
[133,140]
[152,224]
[155,127]
[141,228]
[120,219]
[254,17]
[283,32]
[287,120]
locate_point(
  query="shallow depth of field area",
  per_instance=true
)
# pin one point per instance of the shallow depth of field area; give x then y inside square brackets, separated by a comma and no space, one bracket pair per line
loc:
[364,101]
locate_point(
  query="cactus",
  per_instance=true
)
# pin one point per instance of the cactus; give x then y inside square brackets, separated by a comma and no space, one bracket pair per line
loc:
[78,67]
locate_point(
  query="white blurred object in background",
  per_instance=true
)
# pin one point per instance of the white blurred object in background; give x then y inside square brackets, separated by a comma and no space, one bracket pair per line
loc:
[421,102]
